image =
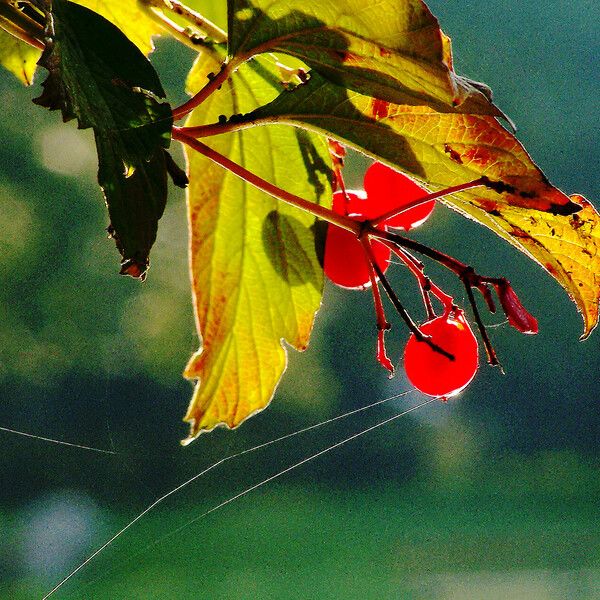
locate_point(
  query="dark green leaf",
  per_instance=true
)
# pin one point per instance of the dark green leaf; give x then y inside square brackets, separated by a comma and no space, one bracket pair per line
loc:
[99,77]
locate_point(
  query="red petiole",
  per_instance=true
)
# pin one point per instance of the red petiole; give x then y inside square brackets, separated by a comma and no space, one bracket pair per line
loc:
[425,284]
[318,211]
[428,198]
[382,322]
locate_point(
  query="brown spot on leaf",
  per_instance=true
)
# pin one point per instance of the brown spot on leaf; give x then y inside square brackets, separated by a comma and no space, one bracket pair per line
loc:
[576,222]
[529,195]
[497,186]
[385,52]
[565,210]
[551,269]
[519,233]
[543,202]
[454,155]
[380,108]
[489,206]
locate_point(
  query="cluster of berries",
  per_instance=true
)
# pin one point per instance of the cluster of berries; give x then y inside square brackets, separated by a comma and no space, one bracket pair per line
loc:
[441,356]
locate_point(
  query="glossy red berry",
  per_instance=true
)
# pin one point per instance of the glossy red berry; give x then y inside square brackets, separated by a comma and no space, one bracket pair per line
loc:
[345,261]
[388,189]
[431,372]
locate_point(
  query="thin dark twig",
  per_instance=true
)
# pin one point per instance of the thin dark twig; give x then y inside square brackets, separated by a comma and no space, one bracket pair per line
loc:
[412,326]
[489,349]
[423,282]
[466,274]
[456,266]
[426,286]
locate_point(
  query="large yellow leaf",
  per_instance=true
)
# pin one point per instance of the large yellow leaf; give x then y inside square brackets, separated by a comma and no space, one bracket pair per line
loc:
[255,273]
[446,149]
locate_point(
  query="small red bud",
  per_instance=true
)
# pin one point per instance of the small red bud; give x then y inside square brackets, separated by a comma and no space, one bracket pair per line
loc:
[517,314]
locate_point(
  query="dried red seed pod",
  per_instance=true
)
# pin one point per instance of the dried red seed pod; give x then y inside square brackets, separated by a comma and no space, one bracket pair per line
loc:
[517,314]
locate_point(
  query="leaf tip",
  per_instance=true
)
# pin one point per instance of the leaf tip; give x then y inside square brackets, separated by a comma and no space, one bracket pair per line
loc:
[178,175]
[188,440]
[134,268]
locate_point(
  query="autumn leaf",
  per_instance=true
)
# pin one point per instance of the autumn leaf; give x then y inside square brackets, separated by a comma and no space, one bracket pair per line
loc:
[568,247]
[18,57]
[390,50]
[256,276]
[113,89]
[445,149]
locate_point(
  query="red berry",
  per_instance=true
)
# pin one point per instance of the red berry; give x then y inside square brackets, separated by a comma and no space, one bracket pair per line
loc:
[388,189]
[345,261]
[431,372]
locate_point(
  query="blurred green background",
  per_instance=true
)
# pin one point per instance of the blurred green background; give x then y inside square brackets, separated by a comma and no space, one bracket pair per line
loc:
[494,495]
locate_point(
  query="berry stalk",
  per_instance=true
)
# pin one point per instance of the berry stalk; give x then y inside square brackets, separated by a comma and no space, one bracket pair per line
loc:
[489,348]
[428,198]
[412,326]
[382,323]
[425,284]
[465,273]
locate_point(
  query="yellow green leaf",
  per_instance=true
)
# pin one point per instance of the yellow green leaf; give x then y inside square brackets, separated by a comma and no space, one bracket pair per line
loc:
[256,277]
[392,50]
[18,57]
[131,17]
